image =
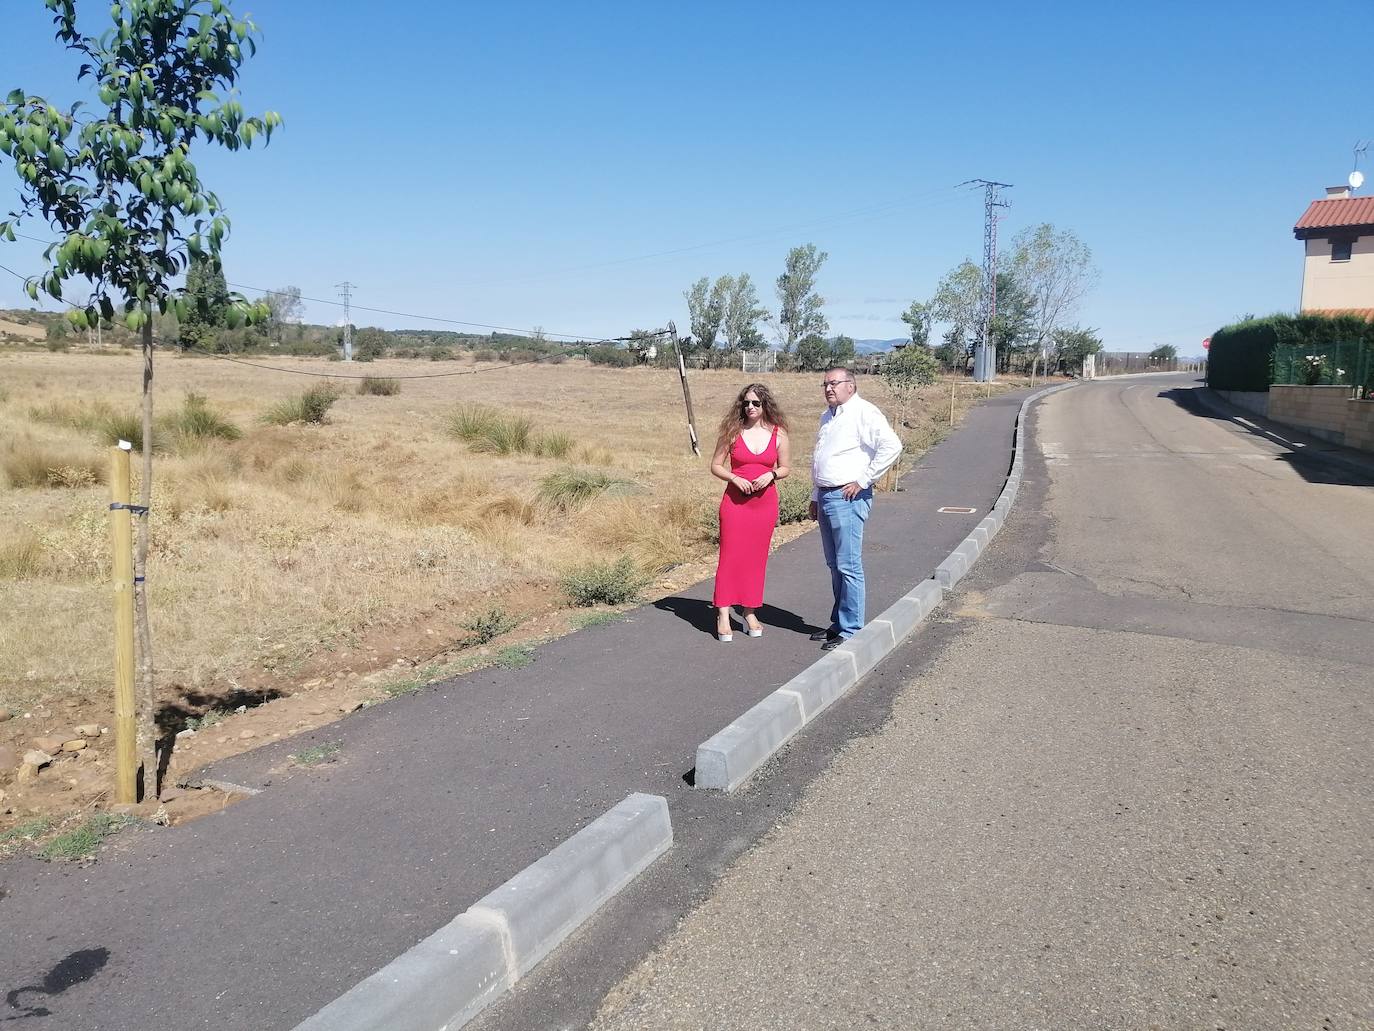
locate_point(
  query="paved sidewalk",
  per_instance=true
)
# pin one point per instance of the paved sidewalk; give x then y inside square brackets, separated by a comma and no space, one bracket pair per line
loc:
[256,917]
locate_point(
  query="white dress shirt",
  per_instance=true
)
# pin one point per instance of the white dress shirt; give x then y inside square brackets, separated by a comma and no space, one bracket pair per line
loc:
[855,445]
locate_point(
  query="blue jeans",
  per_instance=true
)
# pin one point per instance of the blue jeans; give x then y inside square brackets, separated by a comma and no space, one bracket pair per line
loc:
[842,540]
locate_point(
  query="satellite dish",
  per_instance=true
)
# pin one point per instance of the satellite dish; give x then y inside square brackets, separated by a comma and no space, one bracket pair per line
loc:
[1356,179]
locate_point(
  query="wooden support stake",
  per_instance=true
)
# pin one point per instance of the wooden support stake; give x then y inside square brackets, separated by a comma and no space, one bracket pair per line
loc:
[122,543]
[686,391]
[952,384]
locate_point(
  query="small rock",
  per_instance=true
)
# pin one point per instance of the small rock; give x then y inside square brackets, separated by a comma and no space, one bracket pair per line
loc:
[74,745]
[244,735]
[124,808]
[42,713]
[171,794]
[5,714]
[27,772]
[315,710]
[37,758]
[49,742]
[89,730]
[221,740]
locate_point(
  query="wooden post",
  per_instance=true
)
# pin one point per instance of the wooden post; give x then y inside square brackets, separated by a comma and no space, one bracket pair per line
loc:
[122,542]
[952,384]
[686,391]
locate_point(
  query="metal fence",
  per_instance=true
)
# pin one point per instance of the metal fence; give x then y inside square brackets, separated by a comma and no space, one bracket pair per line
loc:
[1119,363]
[1347,363]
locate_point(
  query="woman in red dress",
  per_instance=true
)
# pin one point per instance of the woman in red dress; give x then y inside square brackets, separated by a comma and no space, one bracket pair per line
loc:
[752,455]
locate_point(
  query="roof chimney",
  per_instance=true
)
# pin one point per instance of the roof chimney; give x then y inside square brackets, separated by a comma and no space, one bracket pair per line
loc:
[1337,192]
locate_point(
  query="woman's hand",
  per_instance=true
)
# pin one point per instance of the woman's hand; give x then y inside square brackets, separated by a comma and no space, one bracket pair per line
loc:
[742,485]
[763,481]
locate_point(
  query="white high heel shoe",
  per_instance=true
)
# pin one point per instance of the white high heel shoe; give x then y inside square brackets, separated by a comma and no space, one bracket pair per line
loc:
[744,625]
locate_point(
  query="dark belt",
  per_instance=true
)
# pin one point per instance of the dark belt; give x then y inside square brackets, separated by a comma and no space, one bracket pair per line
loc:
[840,487]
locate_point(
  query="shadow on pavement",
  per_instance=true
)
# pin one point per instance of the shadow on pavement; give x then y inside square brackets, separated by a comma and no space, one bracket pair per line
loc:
[1316,461]
[79,966]
[702,615]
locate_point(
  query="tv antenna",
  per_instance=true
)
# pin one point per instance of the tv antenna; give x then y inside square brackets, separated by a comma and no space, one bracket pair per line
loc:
[1356,178]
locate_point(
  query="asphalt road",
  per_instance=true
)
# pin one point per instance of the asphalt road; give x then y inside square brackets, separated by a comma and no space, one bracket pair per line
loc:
[257,916]
[1125,782]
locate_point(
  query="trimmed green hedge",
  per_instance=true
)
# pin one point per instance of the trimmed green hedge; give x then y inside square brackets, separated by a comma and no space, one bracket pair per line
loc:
[1242,355]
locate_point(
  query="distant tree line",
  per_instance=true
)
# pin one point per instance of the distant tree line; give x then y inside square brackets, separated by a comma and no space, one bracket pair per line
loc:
[1040,282]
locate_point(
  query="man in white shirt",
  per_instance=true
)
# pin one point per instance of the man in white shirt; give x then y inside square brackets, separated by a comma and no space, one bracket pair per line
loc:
[854,447]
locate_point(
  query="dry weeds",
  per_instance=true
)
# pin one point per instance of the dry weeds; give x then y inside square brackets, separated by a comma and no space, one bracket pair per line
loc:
[273,547]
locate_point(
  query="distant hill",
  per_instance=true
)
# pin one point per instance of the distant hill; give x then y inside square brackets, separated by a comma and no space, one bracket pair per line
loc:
[871,346]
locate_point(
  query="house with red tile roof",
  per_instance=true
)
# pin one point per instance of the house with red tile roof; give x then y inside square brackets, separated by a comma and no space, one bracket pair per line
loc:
[1338,270]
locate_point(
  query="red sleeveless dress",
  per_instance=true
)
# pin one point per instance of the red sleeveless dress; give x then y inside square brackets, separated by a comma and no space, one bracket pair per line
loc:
[746,528]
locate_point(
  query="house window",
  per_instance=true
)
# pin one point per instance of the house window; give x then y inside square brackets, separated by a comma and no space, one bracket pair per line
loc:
[1340,250]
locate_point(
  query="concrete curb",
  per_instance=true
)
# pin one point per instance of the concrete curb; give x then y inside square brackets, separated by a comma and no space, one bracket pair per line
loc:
[728,758]
[451,976]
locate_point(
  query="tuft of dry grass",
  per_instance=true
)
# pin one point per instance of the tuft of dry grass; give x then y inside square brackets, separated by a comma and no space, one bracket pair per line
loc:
[310,406]
[28,463]
[381,386]
[568,489]
[489,431]
[21,557]
[271,548]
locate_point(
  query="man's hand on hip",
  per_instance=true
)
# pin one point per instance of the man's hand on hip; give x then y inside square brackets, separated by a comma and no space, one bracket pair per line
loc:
[852,491]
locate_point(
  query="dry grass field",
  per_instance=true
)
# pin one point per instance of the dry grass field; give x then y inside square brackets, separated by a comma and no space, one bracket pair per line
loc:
[277,549]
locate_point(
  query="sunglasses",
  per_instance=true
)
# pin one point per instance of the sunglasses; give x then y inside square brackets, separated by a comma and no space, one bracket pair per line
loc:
[752,404]
[836,383]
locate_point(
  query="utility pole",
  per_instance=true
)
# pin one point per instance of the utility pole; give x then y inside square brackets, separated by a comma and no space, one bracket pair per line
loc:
[985,352]
[686,391]
[344,291]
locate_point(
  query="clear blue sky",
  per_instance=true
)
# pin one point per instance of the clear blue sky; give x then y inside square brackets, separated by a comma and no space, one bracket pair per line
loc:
[516,164]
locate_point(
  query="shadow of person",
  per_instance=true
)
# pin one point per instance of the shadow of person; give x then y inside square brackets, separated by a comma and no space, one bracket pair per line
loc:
[701,614]
[79,966]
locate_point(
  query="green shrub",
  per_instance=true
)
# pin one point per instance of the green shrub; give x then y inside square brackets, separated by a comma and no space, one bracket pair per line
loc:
[382,386]
[604,354]
[1251,355]
[484,356]
[491,431]
[553,445]
[488,626]
[117,426]
[604,583]
[310,406]
[794,498]
[572,488]
[198,421]
[441,354]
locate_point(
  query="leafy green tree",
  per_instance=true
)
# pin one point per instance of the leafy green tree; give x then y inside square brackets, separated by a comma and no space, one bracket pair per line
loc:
[841,350]
[369,344]
[1055,269]
[905,372]
[1013,326]
[1071,346]
[958,301]
[706,310]
[799,306]
[1164,353]
[918,317]
[207,304]
[743,313]
[119,189]
[284,308]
